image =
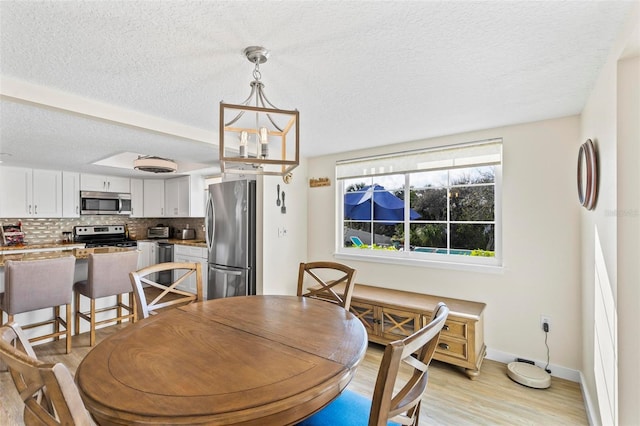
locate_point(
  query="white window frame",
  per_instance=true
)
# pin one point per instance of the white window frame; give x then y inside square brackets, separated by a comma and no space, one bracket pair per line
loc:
[446,261]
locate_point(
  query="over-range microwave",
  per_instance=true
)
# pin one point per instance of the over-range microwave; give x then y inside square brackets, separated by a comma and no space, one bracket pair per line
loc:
[93,202]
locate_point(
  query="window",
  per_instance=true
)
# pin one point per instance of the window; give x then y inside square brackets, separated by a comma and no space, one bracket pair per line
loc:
[440,204]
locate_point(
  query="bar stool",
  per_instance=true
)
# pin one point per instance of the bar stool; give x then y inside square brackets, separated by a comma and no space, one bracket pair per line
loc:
[31,285]
[108,275]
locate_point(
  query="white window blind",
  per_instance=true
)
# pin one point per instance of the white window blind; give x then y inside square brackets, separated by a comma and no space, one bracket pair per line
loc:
[474,154]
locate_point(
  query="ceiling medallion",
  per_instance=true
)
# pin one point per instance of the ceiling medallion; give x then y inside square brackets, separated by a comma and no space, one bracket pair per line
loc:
[255,136]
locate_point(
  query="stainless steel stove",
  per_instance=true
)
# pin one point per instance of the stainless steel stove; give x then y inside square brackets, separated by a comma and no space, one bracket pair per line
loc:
[102,236]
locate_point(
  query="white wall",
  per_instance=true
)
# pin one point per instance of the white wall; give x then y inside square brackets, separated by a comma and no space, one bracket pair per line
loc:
[282,254]
[610,119]
[629,238]
[540,240]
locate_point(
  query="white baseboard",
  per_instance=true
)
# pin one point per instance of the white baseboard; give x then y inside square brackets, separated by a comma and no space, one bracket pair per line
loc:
[592,414]
[556,370]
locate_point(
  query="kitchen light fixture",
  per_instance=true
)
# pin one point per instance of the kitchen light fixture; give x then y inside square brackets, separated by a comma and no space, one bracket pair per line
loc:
[255,136]
[153,164]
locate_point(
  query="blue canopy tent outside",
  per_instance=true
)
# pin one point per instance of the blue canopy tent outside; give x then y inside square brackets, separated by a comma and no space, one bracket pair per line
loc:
[386,206]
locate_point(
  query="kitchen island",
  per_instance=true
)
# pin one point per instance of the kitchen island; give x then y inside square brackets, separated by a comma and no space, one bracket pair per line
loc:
[37,251]
[51,251]
[54,250]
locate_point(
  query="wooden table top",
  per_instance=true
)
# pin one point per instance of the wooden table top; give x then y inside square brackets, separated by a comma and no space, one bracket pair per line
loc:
[238,360]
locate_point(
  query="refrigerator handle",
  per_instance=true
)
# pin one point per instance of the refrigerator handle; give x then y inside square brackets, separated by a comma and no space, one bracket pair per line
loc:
[209,223]
[226,271]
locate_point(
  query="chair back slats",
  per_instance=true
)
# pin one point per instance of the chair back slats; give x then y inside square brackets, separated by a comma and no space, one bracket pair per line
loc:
[326,277]
[416,351]
[169,294]
[47,390]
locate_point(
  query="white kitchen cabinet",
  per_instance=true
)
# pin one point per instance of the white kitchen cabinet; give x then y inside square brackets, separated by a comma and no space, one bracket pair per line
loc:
[176,197]
[70,194]
[153,205]
[104,183]
[184,196]
[30,192]
[183,253]
[137,198]
[148,253]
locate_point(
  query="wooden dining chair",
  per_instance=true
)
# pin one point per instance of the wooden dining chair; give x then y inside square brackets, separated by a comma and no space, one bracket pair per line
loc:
[335,282]
[48,391]
[31,285]
[388,406]
[108,275]
[162,295]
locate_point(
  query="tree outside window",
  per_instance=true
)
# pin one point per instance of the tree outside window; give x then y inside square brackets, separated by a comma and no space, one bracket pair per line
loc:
[434,213]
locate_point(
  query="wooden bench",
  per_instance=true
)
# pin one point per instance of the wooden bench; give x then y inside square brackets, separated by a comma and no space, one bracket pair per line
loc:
[390,315]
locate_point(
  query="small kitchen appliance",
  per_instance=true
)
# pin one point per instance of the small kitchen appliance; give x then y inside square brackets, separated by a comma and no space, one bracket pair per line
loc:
[185,234]
[111,203]
[158,232]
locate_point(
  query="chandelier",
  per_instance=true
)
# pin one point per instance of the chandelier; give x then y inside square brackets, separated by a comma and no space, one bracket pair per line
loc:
[255,136]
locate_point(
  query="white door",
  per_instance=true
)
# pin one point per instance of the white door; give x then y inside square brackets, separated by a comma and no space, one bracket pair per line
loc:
[118,184]
[47,193]
[93,182]
[172,197]
[16,192]
[153,198]
[137,198]
[70,194]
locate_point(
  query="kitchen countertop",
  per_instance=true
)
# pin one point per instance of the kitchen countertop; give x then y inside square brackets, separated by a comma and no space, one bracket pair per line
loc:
[55,250]
[193,243]
[52,251]
[41,247]
[37,255]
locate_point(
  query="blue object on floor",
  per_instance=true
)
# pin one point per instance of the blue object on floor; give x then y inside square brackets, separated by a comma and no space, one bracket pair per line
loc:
[349,409]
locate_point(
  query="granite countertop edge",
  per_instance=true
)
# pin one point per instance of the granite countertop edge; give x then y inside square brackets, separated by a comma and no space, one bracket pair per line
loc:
[62,249]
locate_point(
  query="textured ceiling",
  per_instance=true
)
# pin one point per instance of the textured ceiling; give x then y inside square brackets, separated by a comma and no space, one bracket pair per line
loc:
[361,73]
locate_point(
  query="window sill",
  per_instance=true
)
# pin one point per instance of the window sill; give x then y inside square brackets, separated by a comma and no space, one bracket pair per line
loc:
[424,263]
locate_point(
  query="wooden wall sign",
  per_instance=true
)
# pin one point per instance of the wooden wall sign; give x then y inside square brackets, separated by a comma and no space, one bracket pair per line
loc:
[319,182]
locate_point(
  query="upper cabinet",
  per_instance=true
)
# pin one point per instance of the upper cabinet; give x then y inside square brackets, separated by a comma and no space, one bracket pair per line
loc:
[137,198]
[26,193]
[184,196]
[104,183]
[70,194]
[30,192]
[153,205]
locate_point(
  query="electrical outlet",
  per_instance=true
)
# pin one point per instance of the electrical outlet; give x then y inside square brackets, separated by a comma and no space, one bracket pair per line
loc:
[545,319]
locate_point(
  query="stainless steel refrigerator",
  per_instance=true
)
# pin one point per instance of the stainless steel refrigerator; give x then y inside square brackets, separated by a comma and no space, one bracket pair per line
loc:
[230,232]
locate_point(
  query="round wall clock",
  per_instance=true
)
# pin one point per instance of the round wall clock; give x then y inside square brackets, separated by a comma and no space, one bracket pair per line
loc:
[587,175]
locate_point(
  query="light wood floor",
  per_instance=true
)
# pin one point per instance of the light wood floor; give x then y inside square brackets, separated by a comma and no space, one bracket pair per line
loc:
[451,398]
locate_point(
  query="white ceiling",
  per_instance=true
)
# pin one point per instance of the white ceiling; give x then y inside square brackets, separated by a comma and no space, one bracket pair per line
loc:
[82,81]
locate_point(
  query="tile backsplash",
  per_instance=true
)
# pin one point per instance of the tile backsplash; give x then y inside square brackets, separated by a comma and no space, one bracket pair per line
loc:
[49,230]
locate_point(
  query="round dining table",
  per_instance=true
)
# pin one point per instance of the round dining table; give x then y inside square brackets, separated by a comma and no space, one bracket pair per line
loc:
[250,360]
